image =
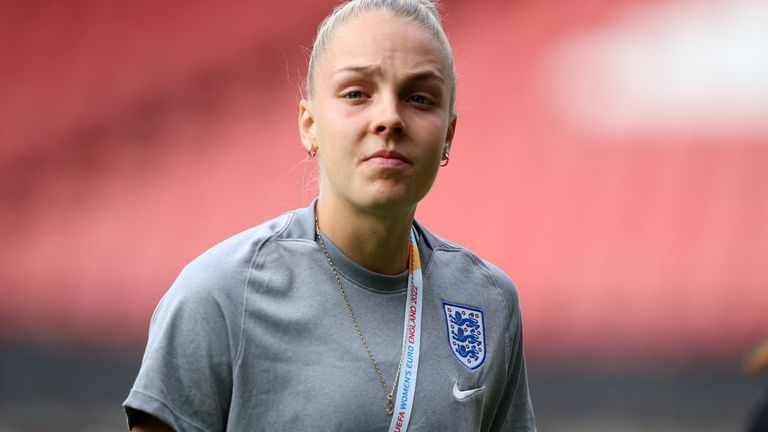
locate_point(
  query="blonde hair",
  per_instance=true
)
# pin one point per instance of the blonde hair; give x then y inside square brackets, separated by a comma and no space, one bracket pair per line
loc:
[423,12]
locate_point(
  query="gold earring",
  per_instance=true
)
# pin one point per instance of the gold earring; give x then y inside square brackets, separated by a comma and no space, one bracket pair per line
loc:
[444,160]
[312,151]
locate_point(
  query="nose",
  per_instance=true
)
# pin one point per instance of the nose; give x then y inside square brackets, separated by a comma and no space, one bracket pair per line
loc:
[387,120]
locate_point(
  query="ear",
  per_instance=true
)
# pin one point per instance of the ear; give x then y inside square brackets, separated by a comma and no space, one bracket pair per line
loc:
[307,125]
[449,135]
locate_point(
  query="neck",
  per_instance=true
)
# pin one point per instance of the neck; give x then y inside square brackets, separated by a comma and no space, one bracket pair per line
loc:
[377,242]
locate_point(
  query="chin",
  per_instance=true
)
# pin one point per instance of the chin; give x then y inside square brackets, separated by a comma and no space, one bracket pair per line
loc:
[390,202]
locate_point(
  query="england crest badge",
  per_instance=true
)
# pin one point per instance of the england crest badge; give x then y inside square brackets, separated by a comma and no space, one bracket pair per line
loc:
[466,334]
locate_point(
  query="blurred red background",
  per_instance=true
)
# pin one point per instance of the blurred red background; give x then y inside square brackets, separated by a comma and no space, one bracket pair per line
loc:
[612,157]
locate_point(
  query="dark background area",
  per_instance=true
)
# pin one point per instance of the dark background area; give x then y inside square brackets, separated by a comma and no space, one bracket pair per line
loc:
[82,389]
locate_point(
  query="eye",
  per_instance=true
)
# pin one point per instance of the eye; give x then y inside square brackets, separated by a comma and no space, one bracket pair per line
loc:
[421,100]
[353,94]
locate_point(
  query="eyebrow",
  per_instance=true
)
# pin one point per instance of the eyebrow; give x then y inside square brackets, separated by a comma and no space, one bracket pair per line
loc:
[360,70]
[426,75]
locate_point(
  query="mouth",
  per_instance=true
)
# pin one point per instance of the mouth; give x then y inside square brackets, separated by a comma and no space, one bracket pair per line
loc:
[389,158]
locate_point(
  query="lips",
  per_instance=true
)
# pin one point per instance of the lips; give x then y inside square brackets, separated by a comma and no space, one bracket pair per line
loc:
[388,157]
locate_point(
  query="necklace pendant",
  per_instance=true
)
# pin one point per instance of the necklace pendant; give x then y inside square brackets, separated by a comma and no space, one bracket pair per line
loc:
[390,405]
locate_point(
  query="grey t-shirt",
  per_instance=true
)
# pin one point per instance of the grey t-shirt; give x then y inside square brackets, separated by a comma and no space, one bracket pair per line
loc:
[254,336]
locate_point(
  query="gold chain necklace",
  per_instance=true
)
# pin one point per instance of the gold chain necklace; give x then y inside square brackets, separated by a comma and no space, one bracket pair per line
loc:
[389,391]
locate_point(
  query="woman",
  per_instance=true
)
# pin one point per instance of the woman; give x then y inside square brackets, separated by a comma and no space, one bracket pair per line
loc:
[347,315]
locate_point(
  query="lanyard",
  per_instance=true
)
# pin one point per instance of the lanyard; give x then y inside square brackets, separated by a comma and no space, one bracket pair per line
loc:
[406,384]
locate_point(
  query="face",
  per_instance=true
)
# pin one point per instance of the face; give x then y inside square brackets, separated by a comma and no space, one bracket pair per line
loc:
[379,116]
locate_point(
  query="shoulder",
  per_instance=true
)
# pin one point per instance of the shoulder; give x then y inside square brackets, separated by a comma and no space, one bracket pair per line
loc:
[460,263]
[238,251]
[219,274]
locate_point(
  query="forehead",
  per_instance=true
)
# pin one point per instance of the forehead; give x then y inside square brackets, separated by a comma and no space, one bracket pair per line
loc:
[382,40]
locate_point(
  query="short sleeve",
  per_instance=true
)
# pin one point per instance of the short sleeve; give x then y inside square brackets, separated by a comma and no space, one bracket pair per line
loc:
[515,410]
[185,378]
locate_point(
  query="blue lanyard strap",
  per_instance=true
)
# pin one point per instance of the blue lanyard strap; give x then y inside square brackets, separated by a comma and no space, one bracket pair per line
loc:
[406,384]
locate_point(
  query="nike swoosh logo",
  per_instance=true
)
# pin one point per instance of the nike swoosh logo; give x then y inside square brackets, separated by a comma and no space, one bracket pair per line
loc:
[463,394]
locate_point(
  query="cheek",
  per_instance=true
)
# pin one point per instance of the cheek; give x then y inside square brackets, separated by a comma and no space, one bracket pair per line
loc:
[337,121]
[433,129]
[332,139]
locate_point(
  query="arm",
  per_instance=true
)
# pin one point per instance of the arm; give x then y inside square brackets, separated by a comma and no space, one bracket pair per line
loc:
[514,411]
[186,374]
